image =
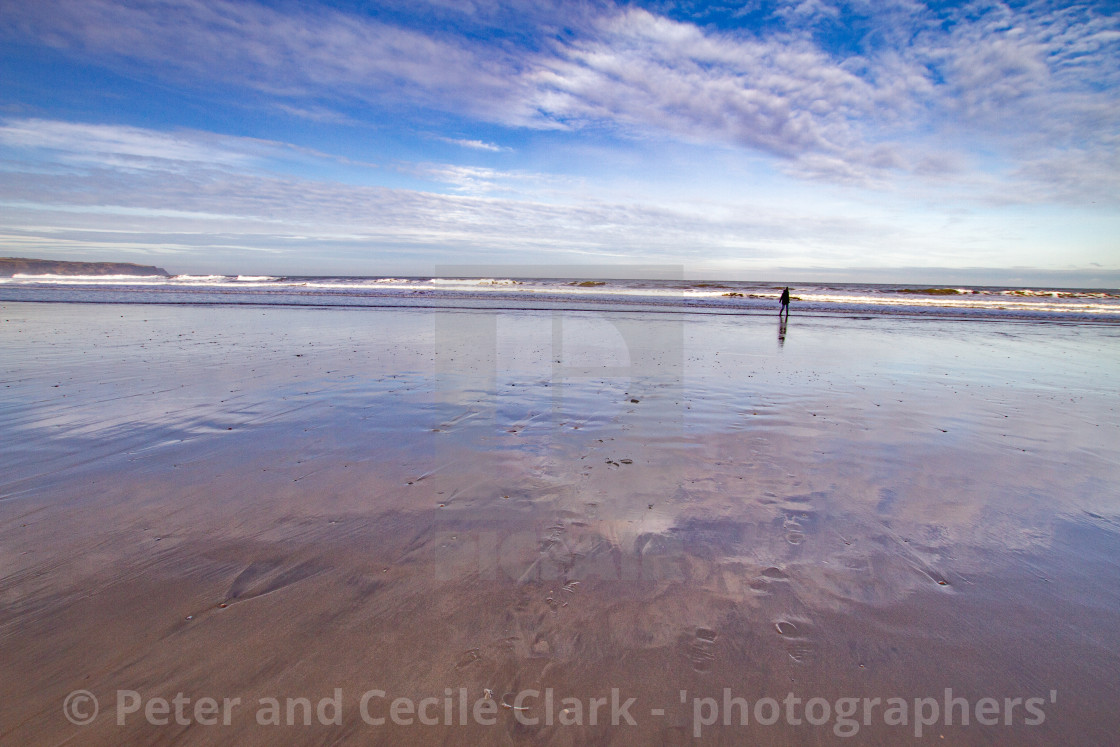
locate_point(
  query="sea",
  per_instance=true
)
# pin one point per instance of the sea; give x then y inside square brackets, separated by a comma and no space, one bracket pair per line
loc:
[669,296]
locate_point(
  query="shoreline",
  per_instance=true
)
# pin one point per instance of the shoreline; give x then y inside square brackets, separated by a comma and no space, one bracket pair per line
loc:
[617,307]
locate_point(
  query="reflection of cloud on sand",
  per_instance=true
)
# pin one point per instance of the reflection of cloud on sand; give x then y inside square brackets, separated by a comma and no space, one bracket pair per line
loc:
[844,515]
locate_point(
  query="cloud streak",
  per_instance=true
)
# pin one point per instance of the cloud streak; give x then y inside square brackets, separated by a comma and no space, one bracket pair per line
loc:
[474,144]
[291,55]
[119,145]
[168,208]
[779,96]
[184,211]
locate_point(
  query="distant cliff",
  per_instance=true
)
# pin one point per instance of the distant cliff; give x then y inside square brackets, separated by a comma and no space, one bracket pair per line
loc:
[19,266]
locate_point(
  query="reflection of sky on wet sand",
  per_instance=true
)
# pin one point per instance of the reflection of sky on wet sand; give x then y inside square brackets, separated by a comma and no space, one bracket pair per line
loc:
[672,473]
[919,440]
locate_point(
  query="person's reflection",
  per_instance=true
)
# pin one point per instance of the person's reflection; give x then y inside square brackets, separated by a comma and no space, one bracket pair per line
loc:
[782,321]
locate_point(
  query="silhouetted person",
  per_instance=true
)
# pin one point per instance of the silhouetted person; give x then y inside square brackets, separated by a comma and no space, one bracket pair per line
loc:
[785,303]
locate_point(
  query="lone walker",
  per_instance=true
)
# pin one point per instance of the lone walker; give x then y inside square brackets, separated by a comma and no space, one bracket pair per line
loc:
[785,303]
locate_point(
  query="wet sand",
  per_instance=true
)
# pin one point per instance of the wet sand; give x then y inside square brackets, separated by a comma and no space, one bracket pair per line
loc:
[297,503]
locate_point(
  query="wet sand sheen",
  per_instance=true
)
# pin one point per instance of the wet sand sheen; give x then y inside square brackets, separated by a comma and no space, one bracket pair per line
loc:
[278,503]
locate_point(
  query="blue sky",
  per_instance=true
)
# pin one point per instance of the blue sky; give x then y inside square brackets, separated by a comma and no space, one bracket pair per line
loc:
[765,139]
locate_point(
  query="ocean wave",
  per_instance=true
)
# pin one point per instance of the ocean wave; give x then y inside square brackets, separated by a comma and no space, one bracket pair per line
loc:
[959,303]
[473,281]
[726,296]
[1031,293]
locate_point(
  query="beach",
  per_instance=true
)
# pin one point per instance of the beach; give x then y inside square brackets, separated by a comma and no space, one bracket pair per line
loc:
[500,516]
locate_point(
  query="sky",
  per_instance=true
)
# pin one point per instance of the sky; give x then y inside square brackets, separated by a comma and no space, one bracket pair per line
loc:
[886,141]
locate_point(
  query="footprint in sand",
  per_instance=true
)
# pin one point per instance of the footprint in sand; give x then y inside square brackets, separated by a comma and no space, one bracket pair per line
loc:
[796,635]
[786,628]
[702,649]
[768,576]
[795,535]
[468,657]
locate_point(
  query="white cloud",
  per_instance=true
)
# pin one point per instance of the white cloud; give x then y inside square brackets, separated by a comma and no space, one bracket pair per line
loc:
[185,205]
[807,12]
[290,54]
[474,144]
[1035,90]
[466,179]
[1038,70]
[778,95]
[320,114]
[128,148]
[120,145]
[1022,100]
